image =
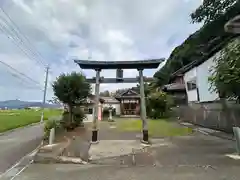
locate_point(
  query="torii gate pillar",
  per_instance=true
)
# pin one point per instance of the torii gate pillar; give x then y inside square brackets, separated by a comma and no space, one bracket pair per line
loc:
[96,108]
[143,108]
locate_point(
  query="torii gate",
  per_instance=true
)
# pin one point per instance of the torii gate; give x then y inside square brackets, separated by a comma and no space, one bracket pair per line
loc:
[119,66]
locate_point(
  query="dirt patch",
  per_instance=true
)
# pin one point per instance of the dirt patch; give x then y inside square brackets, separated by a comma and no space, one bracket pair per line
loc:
[61,135]
[138,157]
[67,144]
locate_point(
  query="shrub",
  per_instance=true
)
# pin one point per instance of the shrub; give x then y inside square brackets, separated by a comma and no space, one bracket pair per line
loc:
[78,116]
[158,105]
[49,124]
[65,122]
[106,112]
[114,112]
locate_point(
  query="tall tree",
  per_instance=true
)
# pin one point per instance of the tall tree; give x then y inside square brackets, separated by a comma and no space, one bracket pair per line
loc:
[158,104]
[226,74]
[226,77]
[54,100]
[146,89]
[211,10]
[71,89]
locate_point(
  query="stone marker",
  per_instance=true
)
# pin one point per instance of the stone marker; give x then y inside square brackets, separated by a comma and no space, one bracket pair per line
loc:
[52,136]
[110,114]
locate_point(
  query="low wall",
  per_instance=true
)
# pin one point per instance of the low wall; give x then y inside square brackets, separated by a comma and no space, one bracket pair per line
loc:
[210,115]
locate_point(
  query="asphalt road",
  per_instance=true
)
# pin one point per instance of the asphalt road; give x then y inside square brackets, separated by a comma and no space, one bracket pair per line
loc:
[14,145]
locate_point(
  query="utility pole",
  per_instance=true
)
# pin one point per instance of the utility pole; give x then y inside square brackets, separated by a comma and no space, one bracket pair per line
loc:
[45,91]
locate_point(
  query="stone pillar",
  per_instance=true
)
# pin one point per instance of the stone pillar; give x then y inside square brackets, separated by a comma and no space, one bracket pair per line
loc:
[143,113]
[96,108]
[122,107]
[110,115]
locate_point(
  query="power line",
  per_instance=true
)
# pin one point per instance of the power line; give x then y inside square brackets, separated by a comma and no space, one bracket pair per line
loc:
[13,26]
[9,23]
[24,82]
[20,73]
[14,33]
[2,28]
[18,43]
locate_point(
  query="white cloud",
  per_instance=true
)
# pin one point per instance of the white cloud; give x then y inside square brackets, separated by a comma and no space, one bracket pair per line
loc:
[23,5]
[109,30]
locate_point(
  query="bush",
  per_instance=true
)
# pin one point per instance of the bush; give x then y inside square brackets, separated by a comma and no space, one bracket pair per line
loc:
[158,105]
[77,120]
[106,112]
[65,122]
[49,124]
[78,117]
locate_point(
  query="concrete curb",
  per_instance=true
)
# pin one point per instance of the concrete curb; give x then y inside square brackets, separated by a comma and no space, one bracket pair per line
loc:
[201,130]
[19,128]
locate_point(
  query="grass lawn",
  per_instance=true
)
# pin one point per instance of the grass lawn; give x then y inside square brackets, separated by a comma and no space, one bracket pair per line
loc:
[10,119]
[157,128]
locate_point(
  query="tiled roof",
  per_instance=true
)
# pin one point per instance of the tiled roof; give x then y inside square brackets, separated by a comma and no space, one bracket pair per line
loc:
[203,58]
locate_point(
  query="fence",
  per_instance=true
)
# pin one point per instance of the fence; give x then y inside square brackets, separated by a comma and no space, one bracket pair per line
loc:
[210,116]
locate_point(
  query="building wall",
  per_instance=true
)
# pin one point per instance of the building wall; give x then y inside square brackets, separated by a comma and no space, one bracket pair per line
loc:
[188,76]
[89,117]
[201,73]
[118,109]
[204,71]
[115,106]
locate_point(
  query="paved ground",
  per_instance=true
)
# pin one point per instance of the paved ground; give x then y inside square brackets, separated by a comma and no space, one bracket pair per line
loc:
[74,172]
[16,144]
[191,157]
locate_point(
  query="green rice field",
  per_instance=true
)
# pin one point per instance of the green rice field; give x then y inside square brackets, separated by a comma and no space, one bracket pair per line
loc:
[11,119]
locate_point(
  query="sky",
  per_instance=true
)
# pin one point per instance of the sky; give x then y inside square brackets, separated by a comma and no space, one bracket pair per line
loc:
[55,32]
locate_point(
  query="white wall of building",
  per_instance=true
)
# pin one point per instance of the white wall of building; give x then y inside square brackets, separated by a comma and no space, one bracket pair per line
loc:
[188,76]
[201,73]
[89,117]
[118,109]
[115,106]
[204,71]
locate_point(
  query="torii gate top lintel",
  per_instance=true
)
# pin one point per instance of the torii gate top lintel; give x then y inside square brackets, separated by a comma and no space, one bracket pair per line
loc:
[143,64]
